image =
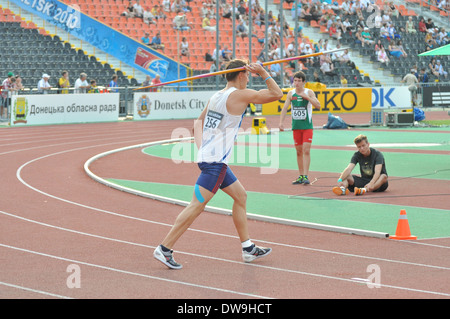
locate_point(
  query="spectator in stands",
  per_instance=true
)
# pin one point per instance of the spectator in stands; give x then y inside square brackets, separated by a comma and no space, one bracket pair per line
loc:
[206,11]
[378,20]
[316,77]
[206,25]
[361,24]
[114,84]
[346,8]
[227,11]
[184,47]
[382,56]
[392,9]
[296,10]
[290,49]
[432,66]
[367,36]
[64,83]
[386,18]
[146,83]
[318,47]
[345,58]
[180,22]
[384,32]
[217,52]
[396,50]
[429,45]
[347,26]
[358,37]
[129,10]
[81,84]
[158,12]
[156,80]
[43,86]
[277,54]
[156,42]
[327,68]
[326,45]
[305,14]
[138,10]
[409,26]
[165,4]
[411,81]
[344,81]
[442,37]
[422,25]
[440,69]
[336,55]
[241,30]
[18,86]
[7,89]
[333,32]
[315,12]
[146,38]
[241,8]
[393,34]
[226,54]
[423,76]
[430,40]
[148,17]
[402,49]
[176,6]
[185,6]
[378,46]
[430,24]
[275,70]
[287,80]
[93,88]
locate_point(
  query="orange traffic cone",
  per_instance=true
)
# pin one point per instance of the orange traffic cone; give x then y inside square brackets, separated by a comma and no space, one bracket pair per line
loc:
[403,232]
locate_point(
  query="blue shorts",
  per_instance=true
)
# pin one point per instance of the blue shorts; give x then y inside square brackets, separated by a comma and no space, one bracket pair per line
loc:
[215,176]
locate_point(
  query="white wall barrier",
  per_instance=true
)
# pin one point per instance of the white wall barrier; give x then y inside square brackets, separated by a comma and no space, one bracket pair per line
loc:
[169,105]
[42,109]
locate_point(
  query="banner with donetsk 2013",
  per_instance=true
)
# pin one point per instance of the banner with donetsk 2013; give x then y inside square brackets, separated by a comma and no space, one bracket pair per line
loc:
[342,100]
[169,105]
[128,50]
[63,109]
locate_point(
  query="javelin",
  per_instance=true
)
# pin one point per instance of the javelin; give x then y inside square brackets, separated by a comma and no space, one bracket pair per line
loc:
[239,69]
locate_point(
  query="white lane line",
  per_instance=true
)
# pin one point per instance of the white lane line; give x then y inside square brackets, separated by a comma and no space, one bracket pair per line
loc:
[206,257]
[41,292]
[126,272]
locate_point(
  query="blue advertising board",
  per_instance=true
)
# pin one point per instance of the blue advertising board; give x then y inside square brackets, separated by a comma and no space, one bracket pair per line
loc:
[105,38]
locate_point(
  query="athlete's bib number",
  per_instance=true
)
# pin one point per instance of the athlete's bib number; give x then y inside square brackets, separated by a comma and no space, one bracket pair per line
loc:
[299,114]
[213,119]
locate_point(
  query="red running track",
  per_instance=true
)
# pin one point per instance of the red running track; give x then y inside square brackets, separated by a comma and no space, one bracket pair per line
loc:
[59,228]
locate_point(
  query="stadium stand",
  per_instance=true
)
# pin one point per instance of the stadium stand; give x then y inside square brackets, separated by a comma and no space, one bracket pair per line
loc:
[413,43]
[54,53]
[49,55]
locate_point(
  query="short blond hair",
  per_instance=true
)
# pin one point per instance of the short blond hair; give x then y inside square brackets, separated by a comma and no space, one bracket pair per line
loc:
[360,138]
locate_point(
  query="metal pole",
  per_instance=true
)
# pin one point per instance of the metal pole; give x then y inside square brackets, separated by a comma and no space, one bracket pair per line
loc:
[217,43]
[250,30]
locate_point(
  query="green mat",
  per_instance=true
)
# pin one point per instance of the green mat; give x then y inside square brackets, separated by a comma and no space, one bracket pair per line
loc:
[424,223]
[264,154]
[277,151]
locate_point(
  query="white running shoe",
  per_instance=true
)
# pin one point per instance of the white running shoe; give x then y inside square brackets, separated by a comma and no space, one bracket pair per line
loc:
[255,253]
[166,258]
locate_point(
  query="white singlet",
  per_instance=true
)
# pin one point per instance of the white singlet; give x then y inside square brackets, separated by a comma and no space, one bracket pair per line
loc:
[220,129]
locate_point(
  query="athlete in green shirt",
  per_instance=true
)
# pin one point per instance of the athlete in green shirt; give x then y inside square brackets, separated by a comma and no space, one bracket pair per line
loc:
[301,100]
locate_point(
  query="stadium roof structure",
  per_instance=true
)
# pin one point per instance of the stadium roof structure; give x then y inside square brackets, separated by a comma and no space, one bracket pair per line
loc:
[443,50]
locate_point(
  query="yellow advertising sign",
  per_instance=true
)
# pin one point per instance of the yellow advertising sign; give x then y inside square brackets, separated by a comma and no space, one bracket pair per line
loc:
[331,100]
